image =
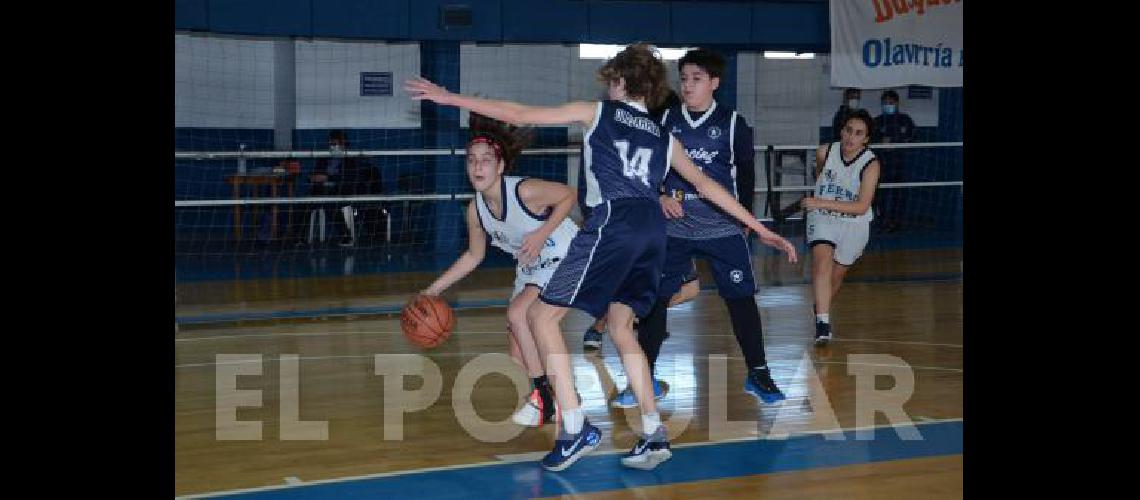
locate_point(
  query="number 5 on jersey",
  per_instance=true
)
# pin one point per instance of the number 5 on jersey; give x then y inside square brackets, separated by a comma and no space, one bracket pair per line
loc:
[638,166]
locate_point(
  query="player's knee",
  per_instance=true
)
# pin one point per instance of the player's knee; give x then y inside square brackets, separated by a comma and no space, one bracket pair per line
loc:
[821,264]
[540,312]
[517,315]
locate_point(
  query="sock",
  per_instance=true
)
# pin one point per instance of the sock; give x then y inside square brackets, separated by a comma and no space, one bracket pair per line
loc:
[539,382]
[544,391]
[823,318]
[650,422]
[572,420]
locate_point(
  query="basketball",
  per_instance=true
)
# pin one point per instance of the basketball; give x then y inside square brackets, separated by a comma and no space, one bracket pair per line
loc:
[427,321]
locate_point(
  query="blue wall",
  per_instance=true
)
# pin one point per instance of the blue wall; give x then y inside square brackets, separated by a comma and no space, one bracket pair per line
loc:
[801,25]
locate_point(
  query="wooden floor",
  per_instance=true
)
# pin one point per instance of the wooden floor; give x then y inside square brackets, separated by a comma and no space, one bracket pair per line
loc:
[888,310]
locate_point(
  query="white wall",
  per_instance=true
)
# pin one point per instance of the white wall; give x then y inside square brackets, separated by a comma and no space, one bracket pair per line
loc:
[780,98]
[223,82]
[328,84]
[530,74]
[535,74]
[229,82]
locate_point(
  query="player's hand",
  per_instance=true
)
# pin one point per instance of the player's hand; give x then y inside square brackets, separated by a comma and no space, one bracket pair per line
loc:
[776,241]
[429,292]
[531,247]
[419,89]
[671,207]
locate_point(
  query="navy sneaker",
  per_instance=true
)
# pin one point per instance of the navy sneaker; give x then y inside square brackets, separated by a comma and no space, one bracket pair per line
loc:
[649,451]
[822,333]
[592,340]
[569,448]
[760,384]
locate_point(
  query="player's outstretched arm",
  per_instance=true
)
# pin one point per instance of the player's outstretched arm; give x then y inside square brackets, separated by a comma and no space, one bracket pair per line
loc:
[712,191]
[469,260]
[511,112]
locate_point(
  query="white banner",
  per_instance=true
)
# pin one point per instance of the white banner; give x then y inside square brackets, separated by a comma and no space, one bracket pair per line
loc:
[891,43]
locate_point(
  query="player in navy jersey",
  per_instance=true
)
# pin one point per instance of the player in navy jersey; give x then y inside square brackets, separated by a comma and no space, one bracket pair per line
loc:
[592,338]
[615,261]
[719,141]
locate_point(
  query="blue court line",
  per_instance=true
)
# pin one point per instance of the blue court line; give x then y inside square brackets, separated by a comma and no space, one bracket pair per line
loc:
[482,304]
[604,472]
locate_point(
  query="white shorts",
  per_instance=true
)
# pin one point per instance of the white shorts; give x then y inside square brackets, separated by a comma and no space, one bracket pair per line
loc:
[537,274]
[847,237]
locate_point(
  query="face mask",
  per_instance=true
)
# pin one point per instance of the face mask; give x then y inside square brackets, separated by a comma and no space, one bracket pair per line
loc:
[853,103]
[889,109]
[336,148]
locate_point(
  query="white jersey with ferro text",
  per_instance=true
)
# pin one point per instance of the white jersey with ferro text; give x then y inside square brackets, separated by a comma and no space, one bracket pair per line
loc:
[840,180]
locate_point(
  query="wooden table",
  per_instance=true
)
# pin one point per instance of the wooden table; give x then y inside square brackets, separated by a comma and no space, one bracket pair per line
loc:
[257,180]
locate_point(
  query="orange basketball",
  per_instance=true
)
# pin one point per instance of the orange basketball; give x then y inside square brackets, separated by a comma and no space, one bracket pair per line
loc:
[427,321]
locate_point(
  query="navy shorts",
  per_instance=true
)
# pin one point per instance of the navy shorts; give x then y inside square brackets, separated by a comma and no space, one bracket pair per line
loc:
[731,265]
[617,256]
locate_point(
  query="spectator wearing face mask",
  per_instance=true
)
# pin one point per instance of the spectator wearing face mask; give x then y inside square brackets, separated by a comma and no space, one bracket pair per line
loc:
[336,175]
[850,103]
[892,126]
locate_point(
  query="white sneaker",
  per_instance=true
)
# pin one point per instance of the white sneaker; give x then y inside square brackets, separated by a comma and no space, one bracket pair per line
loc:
[533,413]
[649,452]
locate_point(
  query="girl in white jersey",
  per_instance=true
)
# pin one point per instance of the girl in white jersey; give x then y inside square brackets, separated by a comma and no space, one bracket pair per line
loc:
[525,218]
[839,215]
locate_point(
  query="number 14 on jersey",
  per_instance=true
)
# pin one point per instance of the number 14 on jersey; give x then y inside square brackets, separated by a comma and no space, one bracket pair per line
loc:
[638,165]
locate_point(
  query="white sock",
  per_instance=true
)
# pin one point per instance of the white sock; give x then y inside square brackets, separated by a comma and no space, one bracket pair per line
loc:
[572,420]
[650,422]
[823,318]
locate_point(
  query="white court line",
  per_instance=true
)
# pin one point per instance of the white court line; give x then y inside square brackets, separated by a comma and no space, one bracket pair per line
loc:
[371,332]
[905,342]
[606,452]
[532,456]
[766,336]
[316,334]
[318,313]
[959,370]
[293,480]
[270,358]
[537,455]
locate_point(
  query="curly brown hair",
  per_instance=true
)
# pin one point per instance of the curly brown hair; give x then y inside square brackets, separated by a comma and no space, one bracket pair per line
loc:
[507,140]
[644,73]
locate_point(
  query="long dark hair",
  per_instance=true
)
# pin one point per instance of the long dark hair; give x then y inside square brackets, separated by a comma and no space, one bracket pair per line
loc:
[507,140]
